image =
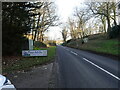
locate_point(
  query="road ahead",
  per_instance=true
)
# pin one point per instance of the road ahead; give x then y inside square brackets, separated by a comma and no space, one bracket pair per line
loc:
[81,69]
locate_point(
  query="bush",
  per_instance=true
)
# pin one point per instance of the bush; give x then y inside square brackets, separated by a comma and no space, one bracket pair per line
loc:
[115,32]
[52,43]
[14,46]
[25,43]
[68,42]
[39,44]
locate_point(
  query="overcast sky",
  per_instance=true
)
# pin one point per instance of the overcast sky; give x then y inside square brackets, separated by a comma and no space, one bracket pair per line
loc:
[65,9]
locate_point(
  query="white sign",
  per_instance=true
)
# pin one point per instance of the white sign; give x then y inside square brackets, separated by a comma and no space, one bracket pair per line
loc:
[85,40]
[34,53]
[30,44]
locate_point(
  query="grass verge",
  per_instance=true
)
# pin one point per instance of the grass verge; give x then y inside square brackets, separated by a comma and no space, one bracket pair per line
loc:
[98,44]
[28,62]
[102,46]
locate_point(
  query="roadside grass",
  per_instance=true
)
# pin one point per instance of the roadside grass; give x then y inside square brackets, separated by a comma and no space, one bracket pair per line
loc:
[98,43]
[28,62]
[103,46]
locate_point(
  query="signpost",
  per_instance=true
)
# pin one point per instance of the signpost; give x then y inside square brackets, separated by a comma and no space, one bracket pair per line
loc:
[30,44]
[28,53]
[85,40]
[31,52]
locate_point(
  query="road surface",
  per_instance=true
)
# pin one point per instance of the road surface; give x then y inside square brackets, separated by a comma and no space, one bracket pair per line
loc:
[82,69]
[36,77]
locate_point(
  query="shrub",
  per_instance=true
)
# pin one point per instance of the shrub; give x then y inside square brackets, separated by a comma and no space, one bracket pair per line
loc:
[52,42]
[115,32]
[68,42]
[39,44]
[14,46]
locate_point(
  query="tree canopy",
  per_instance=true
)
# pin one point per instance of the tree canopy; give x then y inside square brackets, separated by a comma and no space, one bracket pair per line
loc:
[21,18]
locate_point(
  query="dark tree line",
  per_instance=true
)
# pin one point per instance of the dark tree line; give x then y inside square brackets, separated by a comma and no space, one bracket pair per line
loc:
[15,23]
[43,17]
[21,18]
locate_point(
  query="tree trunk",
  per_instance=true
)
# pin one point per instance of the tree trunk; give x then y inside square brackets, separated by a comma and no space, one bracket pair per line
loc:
[103,22]
[35,35]
[109,26]
[37,28]
[32,34]
[114,11]
[38,36]
[108,20]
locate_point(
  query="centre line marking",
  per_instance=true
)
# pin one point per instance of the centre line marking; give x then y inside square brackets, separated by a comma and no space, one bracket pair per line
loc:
[74,53]
[102,69]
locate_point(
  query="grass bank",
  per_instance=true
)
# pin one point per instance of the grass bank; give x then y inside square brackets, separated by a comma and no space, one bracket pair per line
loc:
[98,43]
[28,62]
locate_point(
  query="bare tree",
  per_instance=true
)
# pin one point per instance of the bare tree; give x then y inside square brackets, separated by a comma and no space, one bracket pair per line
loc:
[82,16]
[104,9]
[71,26]
[64,34]
[114,7]
[45,16]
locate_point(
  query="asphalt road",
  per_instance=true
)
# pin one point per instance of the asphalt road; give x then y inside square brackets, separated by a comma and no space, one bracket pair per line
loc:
[82,69]
[36,77]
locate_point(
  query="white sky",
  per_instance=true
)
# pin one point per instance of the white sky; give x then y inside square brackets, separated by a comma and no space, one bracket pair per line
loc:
[65,10]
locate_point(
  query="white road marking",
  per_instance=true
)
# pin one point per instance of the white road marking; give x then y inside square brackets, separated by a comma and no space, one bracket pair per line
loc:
[65,48]
[102,69]
[74,53]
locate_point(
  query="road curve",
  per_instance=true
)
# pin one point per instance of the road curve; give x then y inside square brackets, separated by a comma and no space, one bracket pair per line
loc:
[81,69]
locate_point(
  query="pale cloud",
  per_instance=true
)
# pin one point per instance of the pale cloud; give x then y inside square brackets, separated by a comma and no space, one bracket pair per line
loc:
[65,7]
